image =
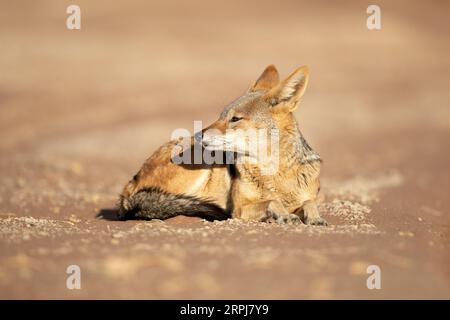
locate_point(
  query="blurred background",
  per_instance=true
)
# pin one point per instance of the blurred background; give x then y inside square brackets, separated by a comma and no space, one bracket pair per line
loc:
[80,110]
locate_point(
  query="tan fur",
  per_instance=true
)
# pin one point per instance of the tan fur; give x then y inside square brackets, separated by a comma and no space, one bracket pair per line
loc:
[204,181]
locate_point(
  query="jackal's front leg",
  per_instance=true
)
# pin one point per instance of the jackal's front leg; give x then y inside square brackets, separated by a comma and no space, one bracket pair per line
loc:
[268,211]
[311,214]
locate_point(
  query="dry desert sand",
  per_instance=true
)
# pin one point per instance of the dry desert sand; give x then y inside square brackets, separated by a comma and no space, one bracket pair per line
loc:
[81,110]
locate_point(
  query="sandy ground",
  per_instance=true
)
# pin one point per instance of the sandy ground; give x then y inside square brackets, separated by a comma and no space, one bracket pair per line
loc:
[81,110]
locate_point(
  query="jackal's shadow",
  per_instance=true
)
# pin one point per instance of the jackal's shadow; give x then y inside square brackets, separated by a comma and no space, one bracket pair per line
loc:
[110,214]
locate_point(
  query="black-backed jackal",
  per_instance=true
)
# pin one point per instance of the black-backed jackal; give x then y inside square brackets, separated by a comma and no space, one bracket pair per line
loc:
[244,188]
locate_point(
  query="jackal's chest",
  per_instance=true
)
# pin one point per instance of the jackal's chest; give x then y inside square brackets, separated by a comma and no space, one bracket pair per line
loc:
[293,187]
[291,192]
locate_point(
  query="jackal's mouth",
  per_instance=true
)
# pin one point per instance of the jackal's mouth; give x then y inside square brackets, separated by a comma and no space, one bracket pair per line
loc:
[214,144]
[209,142]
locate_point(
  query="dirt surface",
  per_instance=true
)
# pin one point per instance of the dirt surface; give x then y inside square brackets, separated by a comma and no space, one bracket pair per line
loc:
[81,110]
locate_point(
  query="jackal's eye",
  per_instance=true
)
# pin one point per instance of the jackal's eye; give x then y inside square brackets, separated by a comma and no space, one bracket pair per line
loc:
[235,119]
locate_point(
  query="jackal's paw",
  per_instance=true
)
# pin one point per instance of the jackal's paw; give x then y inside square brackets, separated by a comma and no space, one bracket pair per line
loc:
[287,219]
[316,221]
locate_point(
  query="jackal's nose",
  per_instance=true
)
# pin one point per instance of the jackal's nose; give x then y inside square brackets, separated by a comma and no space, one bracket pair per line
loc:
[199,136]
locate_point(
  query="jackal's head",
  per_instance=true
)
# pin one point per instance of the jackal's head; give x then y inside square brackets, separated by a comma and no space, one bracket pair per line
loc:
[266,107]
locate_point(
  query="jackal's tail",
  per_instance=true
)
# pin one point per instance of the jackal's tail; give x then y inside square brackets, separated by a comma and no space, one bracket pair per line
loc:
[153,203]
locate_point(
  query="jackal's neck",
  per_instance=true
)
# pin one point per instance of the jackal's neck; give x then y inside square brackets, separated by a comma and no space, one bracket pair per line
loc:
[294,148]
[294,152]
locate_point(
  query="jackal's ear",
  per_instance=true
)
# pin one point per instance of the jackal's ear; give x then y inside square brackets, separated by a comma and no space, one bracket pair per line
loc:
[267,80]
[288,93]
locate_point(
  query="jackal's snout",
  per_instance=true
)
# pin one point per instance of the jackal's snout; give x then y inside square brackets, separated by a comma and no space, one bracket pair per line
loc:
[198,136]
[214,140]
[212,136]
